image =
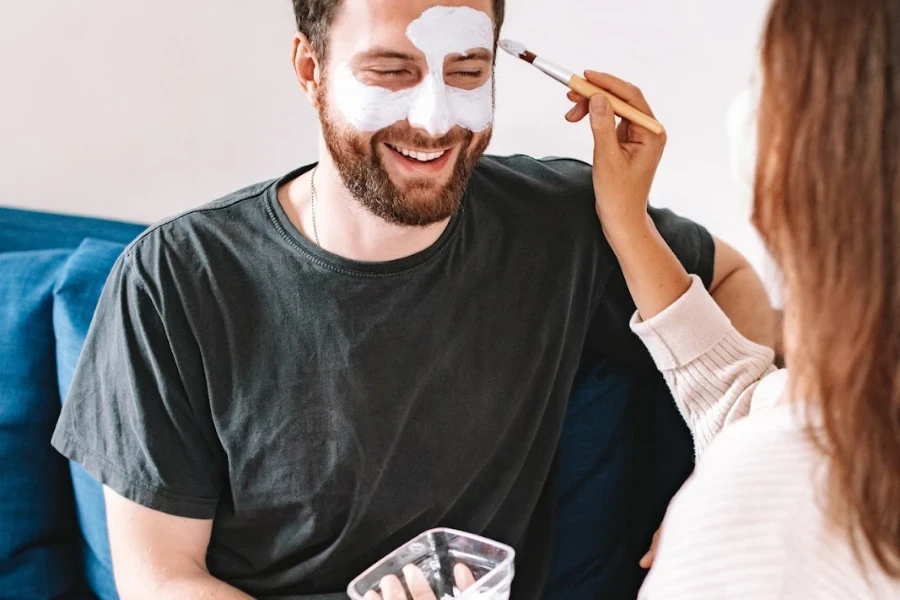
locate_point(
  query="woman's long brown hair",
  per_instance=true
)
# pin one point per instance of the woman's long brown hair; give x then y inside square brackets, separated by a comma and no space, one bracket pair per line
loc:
[828,205]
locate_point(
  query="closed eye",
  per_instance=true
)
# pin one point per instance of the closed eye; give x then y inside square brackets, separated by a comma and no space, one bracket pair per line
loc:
[468,73]
[396,73]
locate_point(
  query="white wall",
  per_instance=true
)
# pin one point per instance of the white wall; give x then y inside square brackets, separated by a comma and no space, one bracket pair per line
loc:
[136,110]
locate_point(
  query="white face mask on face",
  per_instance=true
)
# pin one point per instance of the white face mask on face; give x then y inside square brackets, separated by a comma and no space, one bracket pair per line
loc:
[432,104]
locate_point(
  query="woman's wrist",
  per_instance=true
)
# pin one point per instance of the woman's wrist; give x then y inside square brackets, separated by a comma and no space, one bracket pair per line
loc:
[654,275]
[623,234]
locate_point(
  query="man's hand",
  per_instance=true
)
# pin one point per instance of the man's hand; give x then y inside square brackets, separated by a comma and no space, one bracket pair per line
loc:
[392,589]
[625,157]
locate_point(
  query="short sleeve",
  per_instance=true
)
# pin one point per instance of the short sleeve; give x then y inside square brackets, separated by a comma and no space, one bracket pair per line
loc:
[136,417]
[609,333]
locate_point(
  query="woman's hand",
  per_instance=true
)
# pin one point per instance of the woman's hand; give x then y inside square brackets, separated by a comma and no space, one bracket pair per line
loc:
[625,162]
[625,157]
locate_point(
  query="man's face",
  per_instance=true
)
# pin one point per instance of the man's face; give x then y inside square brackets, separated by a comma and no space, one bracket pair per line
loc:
[406,103]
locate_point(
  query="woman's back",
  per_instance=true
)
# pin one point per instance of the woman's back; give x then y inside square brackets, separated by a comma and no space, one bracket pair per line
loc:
[753,521]
[749,524]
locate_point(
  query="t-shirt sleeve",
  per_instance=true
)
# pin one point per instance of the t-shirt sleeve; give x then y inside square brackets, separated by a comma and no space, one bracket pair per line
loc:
[609,333]
[136,417]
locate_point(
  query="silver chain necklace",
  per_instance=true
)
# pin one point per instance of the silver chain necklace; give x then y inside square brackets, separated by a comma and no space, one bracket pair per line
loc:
[312,190]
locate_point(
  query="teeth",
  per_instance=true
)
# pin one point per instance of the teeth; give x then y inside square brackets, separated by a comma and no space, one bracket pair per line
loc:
[419,156]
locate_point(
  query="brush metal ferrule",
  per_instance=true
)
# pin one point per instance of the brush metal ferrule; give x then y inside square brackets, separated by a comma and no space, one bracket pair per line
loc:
[563,76]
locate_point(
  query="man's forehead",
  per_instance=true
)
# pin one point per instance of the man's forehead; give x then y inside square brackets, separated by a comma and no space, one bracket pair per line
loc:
[381,19]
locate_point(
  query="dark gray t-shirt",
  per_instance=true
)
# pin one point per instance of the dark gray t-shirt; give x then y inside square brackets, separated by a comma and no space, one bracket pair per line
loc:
[325,411]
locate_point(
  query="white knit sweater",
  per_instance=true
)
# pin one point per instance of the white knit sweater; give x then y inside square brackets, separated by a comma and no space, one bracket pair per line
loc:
[749,522]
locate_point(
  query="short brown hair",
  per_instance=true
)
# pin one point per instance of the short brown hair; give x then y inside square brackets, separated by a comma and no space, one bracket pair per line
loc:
[315,17]
[828,205]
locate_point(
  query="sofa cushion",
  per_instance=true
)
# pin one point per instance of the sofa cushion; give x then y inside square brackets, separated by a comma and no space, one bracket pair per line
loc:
[23,230]
[624,452]
[38,557]
[76,295]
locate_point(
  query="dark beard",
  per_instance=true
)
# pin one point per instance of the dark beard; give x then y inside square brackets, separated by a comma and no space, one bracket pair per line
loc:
[421,203]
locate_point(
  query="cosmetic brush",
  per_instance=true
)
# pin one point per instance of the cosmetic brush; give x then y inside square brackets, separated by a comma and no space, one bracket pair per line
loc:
[581,86]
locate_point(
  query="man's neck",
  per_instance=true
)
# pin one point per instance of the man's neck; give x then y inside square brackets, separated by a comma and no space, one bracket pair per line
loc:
[345,228]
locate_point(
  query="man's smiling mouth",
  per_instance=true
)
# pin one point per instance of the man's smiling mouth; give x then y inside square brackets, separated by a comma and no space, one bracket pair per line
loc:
[418,155]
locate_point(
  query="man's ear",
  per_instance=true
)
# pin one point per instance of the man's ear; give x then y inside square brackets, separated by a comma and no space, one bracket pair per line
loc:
[306,67]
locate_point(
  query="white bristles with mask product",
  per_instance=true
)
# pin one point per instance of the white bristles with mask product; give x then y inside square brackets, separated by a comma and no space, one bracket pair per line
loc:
[431,105]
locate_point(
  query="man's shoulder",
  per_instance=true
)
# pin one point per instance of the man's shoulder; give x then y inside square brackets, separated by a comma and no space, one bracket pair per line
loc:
[548,189]
[223,217]
[551,173]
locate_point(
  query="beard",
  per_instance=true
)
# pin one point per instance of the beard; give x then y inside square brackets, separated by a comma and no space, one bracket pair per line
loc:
[421,201]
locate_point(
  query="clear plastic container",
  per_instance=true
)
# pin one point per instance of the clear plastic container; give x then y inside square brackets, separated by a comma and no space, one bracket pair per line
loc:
[437,553]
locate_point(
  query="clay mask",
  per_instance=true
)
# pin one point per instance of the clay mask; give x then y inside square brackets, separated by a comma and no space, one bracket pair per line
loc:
[432,104]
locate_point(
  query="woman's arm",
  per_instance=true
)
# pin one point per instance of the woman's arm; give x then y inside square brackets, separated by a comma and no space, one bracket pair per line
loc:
[711,368]
[713,371]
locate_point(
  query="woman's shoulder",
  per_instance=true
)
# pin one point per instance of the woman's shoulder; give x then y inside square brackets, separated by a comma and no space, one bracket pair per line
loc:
[776,428]
[769,452]
[752,515]
[765,458]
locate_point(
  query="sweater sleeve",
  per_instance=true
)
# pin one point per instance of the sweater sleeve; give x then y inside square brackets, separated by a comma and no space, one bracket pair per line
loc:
[713,371]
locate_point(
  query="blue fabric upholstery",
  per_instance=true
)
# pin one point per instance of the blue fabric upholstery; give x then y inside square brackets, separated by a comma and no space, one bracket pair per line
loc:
[22,230]
[624,452]
[37,533]
[76,294]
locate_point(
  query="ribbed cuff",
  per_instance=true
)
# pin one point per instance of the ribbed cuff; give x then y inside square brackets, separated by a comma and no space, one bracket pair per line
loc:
[684,331]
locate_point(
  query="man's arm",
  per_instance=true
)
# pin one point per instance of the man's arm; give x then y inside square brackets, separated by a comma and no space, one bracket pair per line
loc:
[160,556]
[739,291]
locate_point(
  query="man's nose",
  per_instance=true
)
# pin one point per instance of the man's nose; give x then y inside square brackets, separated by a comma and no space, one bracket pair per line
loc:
[430,109]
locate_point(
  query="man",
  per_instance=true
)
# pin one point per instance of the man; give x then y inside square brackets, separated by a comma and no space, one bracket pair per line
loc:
[283,386]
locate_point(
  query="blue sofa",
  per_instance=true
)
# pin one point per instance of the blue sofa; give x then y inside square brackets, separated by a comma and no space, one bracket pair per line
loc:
[624,452]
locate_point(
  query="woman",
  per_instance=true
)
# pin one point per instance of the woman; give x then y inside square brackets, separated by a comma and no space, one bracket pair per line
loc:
[802,498]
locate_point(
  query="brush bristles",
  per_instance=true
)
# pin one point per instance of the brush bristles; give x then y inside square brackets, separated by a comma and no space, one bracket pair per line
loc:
[517,49]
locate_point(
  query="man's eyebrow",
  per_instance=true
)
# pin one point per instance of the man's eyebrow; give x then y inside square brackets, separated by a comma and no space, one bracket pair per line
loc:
[386,53]
[477,54]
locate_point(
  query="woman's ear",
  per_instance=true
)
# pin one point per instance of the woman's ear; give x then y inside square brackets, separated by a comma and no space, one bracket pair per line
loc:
[306,68]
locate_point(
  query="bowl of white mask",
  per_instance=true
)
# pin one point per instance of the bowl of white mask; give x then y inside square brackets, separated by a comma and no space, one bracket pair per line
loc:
[455,564]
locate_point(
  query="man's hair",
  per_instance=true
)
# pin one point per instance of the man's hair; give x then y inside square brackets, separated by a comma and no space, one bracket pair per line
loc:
[315,17]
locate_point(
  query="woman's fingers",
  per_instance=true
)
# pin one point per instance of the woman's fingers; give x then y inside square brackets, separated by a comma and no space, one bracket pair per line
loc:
[578,112]
[631,94]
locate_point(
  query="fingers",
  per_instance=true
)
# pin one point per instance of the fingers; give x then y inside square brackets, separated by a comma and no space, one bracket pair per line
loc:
[624,90]
[647,560]
[463,577]
[417,584]
[578,112]
[391,589]
[607,152]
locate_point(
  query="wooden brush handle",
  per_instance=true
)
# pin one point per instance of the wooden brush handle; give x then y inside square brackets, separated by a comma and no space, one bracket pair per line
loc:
[623,109]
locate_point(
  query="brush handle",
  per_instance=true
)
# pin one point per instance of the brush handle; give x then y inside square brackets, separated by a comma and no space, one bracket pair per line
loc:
[623,109]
